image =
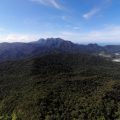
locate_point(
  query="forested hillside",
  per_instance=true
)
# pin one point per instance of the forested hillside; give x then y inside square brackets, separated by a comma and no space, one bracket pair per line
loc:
[60,87]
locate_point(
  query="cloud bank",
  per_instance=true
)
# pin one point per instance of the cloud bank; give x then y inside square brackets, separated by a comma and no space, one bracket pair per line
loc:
[110,33]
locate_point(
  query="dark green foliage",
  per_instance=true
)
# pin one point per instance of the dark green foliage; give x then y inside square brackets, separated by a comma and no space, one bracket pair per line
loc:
[60,87]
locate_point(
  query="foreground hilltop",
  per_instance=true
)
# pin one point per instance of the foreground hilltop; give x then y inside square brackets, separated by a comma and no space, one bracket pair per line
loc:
[14,51]
[60,86]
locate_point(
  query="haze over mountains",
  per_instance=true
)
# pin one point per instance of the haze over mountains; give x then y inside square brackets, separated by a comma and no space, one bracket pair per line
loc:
[14,51]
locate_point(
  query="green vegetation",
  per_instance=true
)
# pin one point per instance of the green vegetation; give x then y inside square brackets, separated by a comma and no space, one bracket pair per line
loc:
[60,87]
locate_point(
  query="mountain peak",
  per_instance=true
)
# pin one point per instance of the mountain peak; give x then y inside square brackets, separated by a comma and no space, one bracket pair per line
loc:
[42,40]
[52,40]
[92,45]
[48,40]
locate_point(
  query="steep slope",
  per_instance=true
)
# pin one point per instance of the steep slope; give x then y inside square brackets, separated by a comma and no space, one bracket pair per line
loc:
[59,86]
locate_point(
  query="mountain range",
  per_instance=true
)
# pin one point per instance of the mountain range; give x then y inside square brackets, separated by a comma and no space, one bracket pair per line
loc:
[14,51]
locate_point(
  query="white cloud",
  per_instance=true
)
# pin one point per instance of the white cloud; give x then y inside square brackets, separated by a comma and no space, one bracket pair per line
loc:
[26,37]
[110,33]
[63,17]
[66,19]
[2,29]
[10,37]
[41,1]
[55,4]
[48,2]
[68,26]
[91,13]
[16,38]
[95,10]
[77,28]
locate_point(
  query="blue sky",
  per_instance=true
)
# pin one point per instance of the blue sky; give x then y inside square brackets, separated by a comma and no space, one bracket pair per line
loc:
[81,21]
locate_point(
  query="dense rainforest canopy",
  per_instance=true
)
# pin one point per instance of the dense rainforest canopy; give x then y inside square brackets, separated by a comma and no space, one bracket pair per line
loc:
[61,86]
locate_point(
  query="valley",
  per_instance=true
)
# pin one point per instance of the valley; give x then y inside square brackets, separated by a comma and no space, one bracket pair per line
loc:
[115,57]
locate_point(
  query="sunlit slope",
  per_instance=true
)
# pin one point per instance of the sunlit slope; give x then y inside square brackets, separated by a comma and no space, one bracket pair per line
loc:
[59,86]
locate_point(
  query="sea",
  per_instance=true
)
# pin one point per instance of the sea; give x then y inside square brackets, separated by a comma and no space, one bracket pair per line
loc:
[100,44]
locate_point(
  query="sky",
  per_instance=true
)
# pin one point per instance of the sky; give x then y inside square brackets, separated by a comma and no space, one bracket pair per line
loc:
[80,21]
